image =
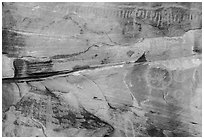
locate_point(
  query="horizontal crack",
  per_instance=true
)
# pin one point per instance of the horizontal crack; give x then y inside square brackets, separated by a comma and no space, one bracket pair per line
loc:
[71,55]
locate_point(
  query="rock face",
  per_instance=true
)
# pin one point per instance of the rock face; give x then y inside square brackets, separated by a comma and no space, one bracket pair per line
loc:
[102,69]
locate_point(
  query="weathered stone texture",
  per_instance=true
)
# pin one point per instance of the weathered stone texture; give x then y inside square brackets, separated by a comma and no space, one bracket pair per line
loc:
[102,69]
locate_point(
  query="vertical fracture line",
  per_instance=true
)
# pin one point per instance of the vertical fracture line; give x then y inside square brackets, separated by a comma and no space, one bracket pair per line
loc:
[128,13]
[136,13]
[159,19]
[146,14]
[175,18]
[178,17]
[143,13]
[121,13]
[155,16]
[124,13]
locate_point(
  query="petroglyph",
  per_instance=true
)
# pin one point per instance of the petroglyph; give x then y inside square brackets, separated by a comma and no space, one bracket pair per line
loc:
[122,69]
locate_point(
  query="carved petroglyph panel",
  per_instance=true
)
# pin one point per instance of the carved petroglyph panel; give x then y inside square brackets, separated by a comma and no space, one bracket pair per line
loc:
[122,69]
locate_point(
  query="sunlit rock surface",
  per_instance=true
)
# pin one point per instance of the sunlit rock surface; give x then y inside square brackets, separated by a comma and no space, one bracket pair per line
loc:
[102,69]
[8,69]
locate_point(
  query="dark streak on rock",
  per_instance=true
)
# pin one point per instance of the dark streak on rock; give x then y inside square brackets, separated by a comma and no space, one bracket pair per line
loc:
[12,43]
[49,92]
[24,68]
[197,50]
[194,123]
[141,59]
[19,67]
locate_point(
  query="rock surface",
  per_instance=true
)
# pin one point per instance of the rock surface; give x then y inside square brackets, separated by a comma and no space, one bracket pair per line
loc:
[102,69]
